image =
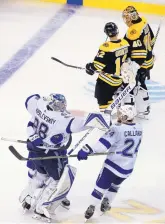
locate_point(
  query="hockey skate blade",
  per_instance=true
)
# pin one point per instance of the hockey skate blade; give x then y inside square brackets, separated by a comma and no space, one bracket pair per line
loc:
[103,213]
[25,210]
[41,218]
[142,117]
[85,220]
[66,207]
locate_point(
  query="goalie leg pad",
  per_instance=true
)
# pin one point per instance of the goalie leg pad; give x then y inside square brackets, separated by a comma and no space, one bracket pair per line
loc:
[55,191]
[142,100]
[129,100]
[37,181]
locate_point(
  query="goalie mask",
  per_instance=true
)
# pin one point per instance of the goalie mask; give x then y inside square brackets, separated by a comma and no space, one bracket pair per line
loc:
[57,102]
[130,15]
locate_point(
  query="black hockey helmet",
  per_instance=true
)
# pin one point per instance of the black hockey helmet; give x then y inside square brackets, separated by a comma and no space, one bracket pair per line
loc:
[111,29]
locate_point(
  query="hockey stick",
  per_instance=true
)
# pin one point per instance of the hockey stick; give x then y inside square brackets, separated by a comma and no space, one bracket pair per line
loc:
[157,33]
[77,67]
[109,110]
[13,140]
[79,142]
[20,157]
[65,64]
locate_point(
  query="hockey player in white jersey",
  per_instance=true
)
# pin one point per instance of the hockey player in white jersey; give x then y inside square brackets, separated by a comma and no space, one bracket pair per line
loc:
[122,142]
[50,133]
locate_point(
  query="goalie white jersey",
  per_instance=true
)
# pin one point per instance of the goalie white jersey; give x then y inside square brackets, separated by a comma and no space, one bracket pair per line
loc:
[55,128]
[122,141]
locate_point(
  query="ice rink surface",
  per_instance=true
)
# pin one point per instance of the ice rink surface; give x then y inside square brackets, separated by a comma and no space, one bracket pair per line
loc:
[30,35]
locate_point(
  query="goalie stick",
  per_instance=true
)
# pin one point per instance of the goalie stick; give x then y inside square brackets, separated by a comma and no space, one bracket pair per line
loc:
[13,140]
[157,33]
[21,158]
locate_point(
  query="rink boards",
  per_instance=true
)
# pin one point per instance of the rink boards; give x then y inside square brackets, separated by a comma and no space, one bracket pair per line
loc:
[151,7]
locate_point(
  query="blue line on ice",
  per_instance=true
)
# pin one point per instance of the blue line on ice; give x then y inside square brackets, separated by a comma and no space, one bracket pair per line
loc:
[38,40]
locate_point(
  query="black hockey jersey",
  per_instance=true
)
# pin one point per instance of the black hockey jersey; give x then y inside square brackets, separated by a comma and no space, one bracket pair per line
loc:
[141,39]
[110,57]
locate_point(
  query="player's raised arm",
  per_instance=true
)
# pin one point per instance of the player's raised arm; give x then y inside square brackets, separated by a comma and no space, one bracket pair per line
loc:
[31,103]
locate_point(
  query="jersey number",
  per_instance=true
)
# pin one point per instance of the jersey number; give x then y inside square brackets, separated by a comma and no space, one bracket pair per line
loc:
[101,54]
[40,128]
[137,43]
[130,148]
[119,61]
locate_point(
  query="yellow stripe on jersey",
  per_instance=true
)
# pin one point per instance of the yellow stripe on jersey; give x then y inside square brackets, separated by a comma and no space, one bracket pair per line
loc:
[142,51]
[109,80]
[148,63]
[109,102]
[99,63]
[114,46]
[103,106]
[99,66]
[139,54]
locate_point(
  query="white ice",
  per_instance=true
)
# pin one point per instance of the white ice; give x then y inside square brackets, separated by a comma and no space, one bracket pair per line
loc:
[141,197]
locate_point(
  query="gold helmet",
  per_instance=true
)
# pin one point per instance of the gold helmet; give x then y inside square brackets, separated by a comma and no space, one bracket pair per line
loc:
[129,15]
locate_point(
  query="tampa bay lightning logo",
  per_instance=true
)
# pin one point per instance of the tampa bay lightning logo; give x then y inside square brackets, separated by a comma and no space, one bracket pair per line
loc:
[156,90]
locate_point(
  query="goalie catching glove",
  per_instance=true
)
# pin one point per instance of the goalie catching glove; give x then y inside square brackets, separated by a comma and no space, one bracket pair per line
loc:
[96,120]
[129,71]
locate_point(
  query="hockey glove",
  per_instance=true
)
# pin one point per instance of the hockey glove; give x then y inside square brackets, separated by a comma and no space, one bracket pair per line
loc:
[84,152]
[34,142]
[90,69]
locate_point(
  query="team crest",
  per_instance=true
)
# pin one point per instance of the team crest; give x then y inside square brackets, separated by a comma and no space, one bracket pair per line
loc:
[133,32]
[106,45]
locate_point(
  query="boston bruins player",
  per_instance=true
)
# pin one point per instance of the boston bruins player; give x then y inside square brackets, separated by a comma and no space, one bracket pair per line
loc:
[141,39]
[108,61]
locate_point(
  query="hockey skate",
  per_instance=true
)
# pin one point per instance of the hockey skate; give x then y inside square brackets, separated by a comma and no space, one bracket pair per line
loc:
[65,203]
[89,212]
[105,205]
[41,217]
[26,206]
[145,114]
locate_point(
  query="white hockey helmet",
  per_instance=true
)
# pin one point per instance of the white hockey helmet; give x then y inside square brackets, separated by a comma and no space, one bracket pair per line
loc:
[126,112]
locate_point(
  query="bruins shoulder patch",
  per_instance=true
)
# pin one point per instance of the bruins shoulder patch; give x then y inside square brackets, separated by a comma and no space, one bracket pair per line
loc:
[106,45]
[133,32]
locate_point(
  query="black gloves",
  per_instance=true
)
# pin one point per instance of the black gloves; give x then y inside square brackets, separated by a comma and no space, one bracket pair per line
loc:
[90,70]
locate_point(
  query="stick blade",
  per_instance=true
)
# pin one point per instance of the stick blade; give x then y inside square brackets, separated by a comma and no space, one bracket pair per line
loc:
[56,59]
[16,154]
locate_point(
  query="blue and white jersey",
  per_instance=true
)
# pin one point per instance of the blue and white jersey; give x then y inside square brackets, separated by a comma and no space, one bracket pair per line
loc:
[122,141]
[53,127]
